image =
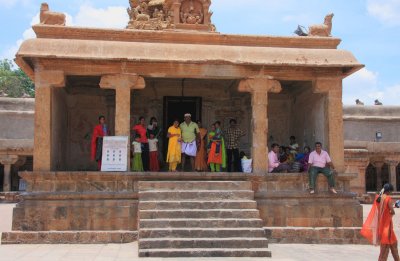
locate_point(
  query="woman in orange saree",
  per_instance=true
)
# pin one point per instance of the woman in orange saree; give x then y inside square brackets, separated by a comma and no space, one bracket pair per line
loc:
[201,156]
[378,228]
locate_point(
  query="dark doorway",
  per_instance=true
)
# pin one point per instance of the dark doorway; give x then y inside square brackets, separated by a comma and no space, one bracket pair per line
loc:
[370,178]
[398,177]
[1,177]
[175,108]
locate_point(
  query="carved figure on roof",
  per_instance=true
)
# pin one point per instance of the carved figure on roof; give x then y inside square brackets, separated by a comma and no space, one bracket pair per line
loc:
[191,12]
[322,29]
[49,17]
[170,14]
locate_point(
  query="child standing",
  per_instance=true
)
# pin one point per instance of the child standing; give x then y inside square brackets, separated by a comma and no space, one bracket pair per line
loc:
[153,143]
[137,164]
[216,156]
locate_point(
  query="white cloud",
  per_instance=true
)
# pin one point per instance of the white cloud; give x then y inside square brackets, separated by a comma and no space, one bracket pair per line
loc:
[27,34]
[364,85]
[392,95]
[87,16]
[386,11]
[11,3]
[111,17]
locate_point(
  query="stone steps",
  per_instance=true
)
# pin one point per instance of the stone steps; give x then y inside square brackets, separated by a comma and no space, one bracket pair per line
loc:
[200,219]
[201,223]
[206,252]
[230,204]
[198,185]
[250,232]
[196,195]
[238,242]
[199,213]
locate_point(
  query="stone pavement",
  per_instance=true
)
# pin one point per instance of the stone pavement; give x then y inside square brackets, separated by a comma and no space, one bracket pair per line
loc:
[129,252]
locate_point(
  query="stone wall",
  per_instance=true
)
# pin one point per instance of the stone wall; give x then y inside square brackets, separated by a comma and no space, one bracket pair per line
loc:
[308,117]
[362,122]
[81,115]
[16,117]
[77,201]
[362,151]
[94,201]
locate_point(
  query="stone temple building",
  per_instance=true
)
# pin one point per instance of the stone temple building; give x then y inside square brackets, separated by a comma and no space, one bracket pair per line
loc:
[168,61]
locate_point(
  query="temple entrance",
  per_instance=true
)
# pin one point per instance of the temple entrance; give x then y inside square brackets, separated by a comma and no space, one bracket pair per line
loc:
[1,177]
[175,108]
[398,177]
[370,178]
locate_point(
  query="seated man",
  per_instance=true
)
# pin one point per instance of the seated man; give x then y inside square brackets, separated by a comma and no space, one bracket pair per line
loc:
[320,162]
[274,165]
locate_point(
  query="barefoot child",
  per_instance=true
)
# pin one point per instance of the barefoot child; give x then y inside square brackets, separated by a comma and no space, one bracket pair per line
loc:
[154,165]
[137,164]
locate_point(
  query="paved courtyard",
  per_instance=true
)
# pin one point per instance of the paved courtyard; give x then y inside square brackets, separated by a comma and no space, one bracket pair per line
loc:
[125,252]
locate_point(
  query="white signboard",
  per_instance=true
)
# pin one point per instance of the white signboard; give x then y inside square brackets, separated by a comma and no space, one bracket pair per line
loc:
[115,153]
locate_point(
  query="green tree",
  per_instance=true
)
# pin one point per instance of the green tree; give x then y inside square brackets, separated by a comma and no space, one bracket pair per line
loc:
[14,82]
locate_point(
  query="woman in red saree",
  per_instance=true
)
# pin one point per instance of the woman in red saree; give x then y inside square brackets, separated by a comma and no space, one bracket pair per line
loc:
[378,228]
[99,132]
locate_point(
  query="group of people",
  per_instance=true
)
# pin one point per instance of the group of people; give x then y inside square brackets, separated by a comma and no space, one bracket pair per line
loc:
[207,149]
[212,149]
[288,159]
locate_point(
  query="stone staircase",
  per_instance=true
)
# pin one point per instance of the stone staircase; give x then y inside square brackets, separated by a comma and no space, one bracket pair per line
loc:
[199,219]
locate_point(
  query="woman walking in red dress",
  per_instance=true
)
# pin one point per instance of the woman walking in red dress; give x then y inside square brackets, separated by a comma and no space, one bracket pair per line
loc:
[378,228]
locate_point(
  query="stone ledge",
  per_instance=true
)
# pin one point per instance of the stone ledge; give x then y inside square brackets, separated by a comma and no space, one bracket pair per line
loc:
[9,197]
[79,196]
[183,37]
[321,235]
[69,237]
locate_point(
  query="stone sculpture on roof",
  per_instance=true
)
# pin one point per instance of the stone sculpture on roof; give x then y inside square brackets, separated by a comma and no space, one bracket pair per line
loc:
[170,14]
[322,29]
[49,17]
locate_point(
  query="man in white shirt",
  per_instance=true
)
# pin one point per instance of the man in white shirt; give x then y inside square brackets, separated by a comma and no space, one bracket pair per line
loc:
[274,165]
[320,162]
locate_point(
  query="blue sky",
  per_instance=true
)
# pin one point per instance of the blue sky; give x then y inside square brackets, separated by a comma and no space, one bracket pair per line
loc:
[368,28]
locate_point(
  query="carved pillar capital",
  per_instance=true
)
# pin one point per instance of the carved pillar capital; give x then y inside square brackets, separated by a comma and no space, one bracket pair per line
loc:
[125,80]
[49,78]
[327,85]
[392,162]
[8,159]
[378,164]
[260,84]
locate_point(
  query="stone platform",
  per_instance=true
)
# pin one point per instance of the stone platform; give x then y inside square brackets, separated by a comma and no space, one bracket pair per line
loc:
[99,202]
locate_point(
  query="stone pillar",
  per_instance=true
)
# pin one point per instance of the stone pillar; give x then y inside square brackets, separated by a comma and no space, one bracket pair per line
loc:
[123,84]
[259,88]
[176,8]
[332,88]
[378,166]
[393,173]
[7,161]
[207,14]
[357,162]
[45,80]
